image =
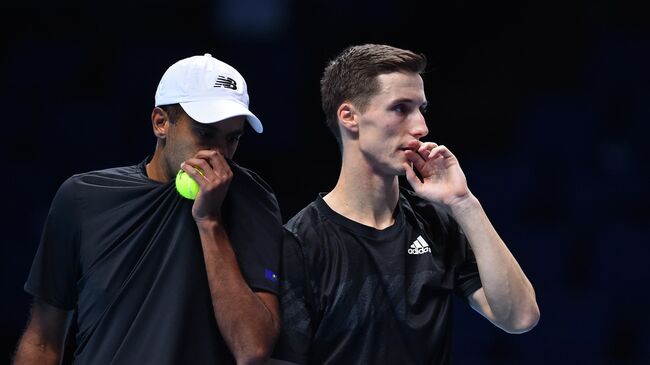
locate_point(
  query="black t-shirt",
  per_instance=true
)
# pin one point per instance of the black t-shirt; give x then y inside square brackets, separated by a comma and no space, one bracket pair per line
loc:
[124,252]
[352,294]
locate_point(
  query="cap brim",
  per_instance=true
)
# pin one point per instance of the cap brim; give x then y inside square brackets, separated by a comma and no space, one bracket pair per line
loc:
[213,111]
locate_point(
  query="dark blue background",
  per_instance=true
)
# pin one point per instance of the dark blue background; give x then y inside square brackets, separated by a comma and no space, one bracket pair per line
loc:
[546,104]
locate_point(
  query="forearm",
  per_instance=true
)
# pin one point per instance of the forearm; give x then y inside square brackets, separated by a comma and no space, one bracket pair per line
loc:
[43,339]
[508,291]
[32,351]
[248,326]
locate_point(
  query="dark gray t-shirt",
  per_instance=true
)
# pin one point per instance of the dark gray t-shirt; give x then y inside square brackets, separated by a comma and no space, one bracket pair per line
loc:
[123,251]
[352,294]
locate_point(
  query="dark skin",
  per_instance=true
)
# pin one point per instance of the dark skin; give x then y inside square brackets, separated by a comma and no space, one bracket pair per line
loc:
[43,340]
[248,320]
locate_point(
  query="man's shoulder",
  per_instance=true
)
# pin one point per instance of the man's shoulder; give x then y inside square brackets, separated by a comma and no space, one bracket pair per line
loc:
[89,185]
[305,220]
[248,178]
[106,174]
[132,170]
[310,225]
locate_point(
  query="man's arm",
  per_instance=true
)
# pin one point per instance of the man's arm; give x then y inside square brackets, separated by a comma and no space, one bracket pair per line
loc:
[299,317]
[43,340]
[507,298]
[248,321]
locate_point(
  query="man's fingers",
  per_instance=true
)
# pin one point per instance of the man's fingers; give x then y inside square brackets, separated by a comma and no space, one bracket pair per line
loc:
[425,148]
[440,151]
[220,165]
[417,159]
[196,169]
[212,163]
[411,177]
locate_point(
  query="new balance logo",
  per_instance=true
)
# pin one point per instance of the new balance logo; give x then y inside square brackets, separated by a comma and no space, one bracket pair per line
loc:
[419,247]
[227,82]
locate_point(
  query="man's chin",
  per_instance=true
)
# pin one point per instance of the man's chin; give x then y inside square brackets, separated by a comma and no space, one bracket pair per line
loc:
[398,170]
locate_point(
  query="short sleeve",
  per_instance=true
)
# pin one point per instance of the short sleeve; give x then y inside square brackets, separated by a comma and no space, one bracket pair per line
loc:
[295,303]
[254,223]
[53,274]
[437,218]
[467,279]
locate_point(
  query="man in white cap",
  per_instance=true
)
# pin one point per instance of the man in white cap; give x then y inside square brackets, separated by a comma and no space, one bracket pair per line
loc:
[150,276]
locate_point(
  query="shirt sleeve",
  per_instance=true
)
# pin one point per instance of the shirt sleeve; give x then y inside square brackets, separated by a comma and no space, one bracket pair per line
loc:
[467,279]
[254,223]
[53,274]
[462,261]
[296,303]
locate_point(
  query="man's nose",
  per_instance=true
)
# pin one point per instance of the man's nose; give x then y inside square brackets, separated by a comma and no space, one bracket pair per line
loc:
[219,146]
[419,128]
[223,147]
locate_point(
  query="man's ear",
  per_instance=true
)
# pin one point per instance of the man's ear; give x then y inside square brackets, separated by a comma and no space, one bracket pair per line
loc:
[159,122]
[348,117]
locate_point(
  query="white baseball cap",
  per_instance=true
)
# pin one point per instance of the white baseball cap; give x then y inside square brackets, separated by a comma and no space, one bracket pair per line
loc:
[207,89]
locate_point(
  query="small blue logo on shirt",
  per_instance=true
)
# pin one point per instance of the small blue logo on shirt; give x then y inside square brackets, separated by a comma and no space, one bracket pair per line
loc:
[271,275]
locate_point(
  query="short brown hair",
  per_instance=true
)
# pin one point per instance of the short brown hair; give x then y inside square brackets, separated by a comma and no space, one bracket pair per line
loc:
[174,111]
[352,76]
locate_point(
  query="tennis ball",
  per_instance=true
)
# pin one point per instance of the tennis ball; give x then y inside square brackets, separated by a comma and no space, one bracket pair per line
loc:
[186,186]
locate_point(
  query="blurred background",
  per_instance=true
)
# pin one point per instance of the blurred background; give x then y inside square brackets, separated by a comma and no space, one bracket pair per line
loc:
[545,103]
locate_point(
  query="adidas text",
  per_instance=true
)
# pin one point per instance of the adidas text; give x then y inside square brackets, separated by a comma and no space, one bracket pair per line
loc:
[419,251]
[419,247]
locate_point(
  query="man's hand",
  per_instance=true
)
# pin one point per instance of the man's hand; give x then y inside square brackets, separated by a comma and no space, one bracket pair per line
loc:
[213,174]
[507,298]
[442,178]
[248,321]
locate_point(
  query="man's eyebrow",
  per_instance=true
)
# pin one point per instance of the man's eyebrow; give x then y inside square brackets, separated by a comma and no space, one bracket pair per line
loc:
[406,100]
[203,126]
[236,131]
[409,101]
[215,127]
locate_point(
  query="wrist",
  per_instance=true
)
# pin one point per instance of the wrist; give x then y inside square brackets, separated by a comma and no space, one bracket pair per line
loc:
[213,233]
[464,203]
[209,224]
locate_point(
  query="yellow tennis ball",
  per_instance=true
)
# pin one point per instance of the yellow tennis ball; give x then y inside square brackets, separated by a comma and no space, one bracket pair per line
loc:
[186,186]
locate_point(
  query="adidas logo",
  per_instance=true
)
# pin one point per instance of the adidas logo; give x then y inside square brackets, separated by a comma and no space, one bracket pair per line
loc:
[227,82]
[419,247]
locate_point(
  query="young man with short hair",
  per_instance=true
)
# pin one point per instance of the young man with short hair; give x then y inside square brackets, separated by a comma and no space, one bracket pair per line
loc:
[369,268]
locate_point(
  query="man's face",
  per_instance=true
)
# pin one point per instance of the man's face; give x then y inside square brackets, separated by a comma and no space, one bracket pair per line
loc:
[392,122]
[186,137]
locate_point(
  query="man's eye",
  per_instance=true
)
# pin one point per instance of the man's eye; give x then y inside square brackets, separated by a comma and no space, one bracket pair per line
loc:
[203,133]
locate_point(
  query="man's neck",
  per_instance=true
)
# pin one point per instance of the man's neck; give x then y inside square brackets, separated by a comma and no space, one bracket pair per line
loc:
[364,197]
[156,168]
